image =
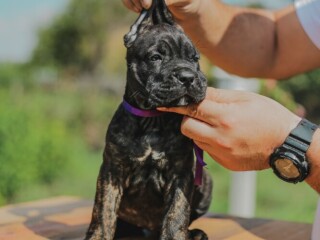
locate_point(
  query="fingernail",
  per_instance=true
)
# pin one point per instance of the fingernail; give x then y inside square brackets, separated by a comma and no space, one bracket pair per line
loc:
[146,4]
[162,108]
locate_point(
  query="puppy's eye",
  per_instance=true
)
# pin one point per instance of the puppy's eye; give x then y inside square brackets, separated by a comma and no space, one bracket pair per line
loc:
[196,58]
[156,57]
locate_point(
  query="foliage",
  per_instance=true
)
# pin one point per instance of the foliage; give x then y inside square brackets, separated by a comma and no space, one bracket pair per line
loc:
[305,89]
[52,130]
[11,74]
[41,126]
[271,195]
[32,145]
[67,124]
[271,89]
[76,40]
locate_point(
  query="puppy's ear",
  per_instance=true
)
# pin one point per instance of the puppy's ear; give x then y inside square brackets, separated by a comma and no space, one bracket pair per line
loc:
[160,13]
[157,14]
[142,21]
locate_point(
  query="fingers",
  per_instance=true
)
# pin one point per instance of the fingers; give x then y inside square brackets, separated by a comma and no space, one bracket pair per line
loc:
[197,130]
[129,4]
[215,155]
[190,110]
[137,5]
[226,96]
[219,157]
[217,104]
[207,148]
[146,3]
[206,111]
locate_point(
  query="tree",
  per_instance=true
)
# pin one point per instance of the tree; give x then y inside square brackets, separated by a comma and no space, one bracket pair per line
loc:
[305,89]
[77,38]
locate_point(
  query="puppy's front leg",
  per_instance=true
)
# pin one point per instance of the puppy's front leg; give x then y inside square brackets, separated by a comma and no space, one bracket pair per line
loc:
[107,202]
[177,216]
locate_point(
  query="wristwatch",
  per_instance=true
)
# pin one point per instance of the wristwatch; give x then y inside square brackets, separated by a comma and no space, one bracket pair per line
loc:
[289,161]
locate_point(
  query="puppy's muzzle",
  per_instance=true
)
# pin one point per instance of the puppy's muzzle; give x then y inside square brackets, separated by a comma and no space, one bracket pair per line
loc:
[185,76]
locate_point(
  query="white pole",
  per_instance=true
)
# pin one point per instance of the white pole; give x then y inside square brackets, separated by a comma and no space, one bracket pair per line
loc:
[242,192]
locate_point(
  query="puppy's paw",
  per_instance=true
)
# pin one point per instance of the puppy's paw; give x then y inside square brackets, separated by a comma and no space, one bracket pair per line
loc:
[197,234]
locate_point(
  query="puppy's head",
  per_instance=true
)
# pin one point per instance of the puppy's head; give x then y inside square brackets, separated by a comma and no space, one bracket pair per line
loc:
[163,64]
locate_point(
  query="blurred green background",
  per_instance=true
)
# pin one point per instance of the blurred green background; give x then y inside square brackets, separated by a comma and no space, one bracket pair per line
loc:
[56,103]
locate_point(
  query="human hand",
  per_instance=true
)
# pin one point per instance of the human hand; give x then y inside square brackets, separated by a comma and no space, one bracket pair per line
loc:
[137,5]
[196,17]
[181,9]
[238,129]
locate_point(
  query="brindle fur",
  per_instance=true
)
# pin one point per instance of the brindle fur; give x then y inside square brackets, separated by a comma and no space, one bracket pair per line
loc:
[146,180]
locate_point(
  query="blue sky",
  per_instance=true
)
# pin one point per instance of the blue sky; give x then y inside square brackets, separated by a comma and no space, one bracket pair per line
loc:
[20,20]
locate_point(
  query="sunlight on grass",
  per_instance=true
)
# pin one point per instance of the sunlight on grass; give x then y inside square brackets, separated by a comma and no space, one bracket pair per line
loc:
[85,115]
[275,198]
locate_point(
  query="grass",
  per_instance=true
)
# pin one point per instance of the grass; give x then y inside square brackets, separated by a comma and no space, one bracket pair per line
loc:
[275,199]
[79,178]
[87,113]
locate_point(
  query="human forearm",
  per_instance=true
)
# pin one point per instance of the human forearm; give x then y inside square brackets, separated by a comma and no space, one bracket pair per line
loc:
[248,42]
[244,41]
[214,126]
[314,157]
[239,40]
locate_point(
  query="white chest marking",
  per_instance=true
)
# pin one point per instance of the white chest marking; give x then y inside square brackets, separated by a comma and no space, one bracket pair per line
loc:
[154,154]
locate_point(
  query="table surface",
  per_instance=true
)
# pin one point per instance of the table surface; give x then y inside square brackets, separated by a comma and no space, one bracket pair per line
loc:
[68,218]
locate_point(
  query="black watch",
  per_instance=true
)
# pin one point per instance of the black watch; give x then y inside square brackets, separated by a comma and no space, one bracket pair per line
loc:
[289,161]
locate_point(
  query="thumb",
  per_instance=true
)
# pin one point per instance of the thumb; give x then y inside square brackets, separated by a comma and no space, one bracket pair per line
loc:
[206,111]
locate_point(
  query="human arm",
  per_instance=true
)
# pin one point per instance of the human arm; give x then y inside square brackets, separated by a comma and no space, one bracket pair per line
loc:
[244,41]
[313,155]
[232,128]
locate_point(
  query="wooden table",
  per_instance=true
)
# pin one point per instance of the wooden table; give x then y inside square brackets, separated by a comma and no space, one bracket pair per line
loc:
[68,218]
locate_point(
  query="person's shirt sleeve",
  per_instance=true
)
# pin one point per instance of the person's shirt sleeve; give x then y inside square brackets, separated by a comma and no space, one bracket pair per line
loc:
[308,12]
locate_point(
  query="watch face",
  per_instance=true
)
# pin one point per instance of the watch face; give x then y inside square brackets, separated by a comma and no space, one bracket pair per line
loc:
[286,168]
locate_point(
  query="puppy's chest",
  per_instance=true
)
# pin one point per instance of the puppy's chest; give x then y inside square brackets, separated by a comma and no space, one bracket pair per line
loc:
[149,168]
[150,156]
[150,152]
[151,142]
[153,152]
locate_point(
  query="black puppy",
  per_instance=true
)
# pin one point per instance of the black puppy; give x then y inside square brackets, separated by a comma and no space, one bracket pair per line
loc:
[147,175]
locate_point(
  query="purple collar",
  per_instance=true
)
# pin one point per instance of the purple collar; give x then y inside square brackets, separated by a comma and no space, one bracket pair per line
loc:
[140,112]
[154,113]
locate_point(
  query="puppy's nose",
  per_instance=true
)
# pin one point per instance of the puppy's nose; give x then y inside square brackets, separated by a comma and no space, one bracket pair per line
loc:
[186,77]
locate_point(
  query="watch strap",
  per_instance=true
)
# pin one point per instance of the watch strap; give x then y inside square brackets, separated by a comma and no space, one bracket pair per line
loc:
[301,136]
[294,149]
